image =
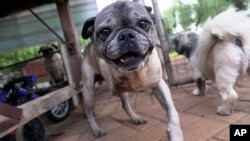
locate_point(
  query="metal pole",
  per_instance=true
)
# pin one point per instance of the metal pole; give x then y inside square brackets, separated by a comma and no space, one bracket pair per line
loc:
[164,44]
[139,1]
[45,24]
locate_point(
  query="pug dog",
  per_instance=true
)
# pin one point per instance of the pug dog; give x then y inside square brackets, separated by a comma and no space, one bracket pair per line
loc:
[185,43]
[53,63]
[124,54]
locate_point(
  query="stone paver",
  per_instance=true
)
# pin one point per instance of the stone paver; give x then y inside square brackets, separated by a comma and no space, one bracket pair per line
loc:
[223,135]
[125,120]
[120,133]
[74,137]
[203,129]
[155,133]
[197,114]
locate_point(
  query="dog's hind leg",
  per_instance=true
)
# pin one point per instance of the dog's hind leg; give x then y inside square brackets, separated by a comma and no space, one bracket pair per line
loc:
[229,97]
[225,83]
[201,86]
[127,107]
[198,77]
[163,95]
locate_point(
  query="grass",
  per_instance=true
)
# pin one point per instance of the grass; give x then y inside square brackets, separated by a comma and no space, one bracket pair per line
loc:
[173,55]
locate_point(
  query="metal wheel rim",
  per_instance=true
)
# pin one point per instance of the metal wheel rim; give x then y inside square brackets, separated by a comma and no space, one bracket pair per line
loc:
[61,109]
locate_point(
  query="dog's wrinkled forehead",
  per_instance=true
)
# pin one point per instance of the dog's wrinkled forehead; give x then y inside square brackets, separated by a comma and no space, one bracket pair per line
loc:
[127,12]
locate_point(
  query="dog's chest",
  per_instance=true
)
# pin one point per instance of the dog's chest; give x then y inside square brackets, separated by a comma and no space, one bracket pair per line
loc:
[54,63]
[146,77]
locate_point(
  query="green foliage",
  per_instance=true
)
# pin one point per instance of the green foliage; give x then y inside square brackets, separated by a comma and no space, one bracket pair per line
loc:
[173,55]
[83,43]
[188,15]
[205,9]
[15,56]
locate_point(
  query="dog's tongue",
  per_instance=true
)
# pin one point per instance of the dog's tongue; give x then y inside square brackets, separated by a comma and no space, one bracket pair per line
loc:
[127,58]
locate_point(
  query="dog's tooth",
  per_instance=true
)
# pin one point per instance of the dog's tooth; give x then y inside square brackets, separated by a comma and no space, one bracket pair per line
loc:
[122,60]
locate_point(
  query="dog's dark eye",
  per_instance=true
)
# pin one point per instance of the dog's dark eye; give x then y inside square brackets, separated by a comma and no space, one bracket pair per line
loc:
[238,42]
[144,25]
[104,34]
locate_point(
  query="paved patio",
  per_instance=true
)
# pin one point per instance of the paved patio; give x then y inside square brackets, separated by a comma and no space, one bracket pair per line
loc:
[197,113]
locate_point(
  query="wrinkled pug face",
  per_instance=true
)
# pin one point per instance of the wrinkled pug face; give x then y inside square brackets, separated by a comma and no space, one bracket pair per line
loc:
[48,50]
[123,34]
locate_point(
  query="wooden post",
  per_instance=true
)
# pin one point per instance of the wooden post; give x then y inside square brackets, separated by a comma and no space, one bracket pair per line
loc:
[72,49]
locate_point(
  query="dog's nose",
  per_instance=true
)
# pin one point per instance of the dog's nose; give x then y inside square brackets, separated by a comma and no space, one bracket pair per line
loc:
[126,36]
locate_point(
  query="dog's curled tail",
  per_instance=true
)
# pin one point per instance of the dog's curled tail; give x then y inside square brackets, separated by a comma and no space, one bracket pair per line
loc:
[228,23]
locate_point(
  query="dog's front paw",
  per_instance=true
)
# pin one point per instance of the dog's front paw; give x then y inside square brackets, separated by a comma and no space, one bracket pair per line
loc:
[196,92]
[224,111]
[139,121]
[99,133]
[174,133]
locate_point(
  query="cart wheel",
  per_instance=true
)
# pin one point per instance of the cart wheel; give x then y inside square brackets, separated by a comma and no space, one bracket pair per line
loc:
[34,130]
[59,112]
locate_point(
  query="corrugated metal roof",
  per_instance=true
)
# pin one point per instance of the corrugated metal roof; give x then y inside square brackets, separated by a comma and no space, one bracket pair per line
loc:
[24,29]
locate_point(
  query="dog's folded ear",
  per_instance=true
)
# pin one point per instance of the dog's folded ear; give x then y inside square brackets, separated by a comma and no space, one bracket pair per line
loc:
[54,46]
[88,28]
[193,37]
[148,8]
[152,16]
[175,42]
[40,50]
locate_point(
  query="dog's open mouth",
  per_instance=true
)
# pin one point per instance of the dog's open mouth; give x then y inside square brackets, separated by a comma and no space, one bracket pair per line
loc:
[129,58]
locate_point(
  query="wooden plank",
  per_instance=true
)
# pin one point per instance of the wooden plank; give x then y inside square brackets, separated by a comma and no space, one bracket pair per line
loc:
[10,111]
[39,106]
[2,119]
[7,124]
